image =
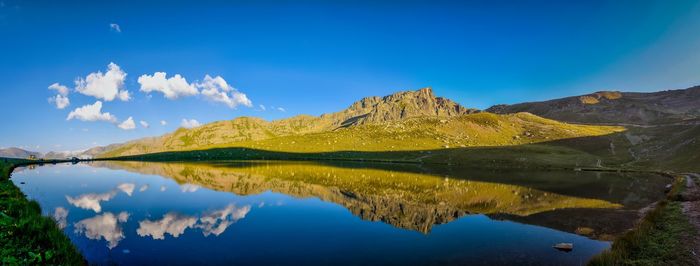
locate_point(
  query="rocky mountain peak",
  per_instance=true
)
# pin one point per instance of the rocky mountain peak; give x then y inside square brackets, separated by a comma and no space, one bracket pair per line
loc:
[397,106]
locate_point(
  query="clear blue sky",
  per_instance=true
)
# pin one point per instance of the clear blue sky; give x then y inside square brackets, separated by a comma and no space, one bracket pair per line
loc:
[313,57]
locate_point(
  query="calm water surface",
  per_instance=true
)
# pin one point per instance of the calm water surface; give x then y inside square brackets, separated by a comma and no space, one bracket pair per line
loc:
[320,214]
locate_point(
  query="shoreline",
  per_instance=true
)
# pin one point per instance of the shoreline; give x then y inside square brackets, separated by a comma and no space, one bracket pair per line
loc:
[26,236]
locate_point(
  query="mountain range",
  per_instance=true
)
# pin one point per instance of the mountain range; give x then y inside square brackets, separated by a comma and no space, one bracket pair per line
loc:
[607,128]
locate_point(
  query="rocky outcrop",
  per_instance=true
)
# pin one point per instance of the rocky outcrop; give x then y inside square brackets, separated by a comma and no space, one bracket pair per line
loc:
[398,106]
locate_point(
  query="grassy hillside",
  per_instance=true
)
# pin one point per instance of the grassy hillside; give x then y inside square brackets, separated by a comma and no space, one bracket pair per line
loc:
[416,139]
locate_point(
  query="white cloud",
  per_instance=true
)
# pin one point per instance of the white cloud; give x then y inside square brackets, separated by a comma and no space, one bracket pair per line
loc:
[60,101]
[91,201]
[105,226]
[171,223]
[172,88]
[281,109]
[189,123]
[91,113]
[144,124]
[127,188]
[262,107]
[115,27]
[62,90]
[60,215]
[217,90]
[107,86]
[128,124]
[163,123]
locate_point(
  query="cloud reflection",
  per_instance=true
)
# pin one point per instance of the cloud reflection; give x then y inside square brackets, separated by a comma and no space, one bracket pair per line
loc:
[60,215]
[105,226]
[172,223]
[127,188]
[189,188]
[214,222]
[91,201]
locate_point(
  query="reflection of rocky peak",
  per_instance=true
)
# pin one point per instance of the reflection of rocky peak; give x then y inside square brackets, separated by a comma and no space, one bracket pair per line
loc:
[405,200]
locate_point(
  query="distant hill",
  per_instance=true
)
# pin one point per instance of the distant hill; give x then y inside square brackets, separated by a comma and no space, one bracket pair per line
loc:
[664,107]
[17,153]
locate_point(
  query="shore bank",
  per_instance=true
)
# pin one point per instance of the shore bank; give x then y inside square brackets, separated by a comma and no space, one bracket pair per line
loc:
[26,236]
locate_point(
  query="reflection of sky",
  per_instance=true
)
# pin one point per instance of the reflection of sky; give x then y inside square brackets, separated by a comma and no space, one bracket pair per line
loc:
[167,226]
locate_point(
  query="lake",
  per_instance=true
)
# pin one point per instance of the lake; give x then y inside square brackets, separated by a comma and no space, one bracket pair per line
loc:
[312,213]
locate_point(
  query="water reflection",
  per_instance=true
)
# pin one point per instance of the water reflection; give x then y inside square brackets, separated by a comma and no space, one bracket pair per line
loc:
[105,226]
[91,201]
[172,223]
[175,224]
[403,199]
[60,215]
[305,213]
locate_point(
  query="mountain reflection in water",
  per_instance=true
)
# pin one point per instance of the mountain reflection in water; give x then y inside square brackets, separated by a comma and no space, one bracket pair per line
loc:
[312,213]
[408,200]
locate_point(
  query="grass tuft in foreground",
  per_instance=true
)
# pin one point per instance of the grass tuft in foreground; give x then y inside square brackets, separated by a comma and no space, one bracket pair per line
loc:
[663,237]
[27,237]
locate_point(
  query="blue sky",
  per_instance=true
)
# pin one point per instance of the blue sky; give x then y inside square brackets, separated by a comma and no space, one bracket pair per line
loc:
[312,57]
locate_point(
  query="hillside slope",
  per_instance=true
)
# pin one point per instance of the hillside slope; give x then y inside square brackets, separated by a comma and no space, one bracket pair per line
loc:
[17,153]
[663,127]
[664,107]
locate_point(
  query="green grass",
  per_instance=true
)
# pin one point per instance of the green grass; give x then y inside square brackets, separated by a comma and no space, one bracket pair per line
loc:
[27,237]
[662,237]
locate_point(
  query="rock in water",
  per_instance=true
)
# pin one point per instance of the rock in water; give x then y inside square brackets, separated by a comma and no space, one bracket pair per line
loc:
[564,247]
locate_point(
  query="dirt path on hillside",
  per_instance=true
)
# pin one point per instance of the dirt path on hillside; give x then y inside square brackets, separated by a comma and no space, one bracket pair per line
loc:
[691,208]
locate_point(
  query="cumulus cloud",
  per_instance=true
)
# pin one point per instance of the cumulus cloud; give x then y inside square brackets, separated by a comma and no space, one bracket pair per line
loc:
[172,88]
[60,89]
[163,122]
[218,90]
[60,215]
[107,86]
[106,226]
[171,223]
[144,124]
[189,123]
[115,27]
[128,124]
[127,188]
[91,201]
[91,112]
[60,101]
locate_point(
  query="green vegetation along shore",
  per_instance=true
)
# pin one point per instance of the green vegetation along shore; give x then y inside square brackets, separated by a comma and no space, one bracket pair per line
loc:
[664,236]
[27,237]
